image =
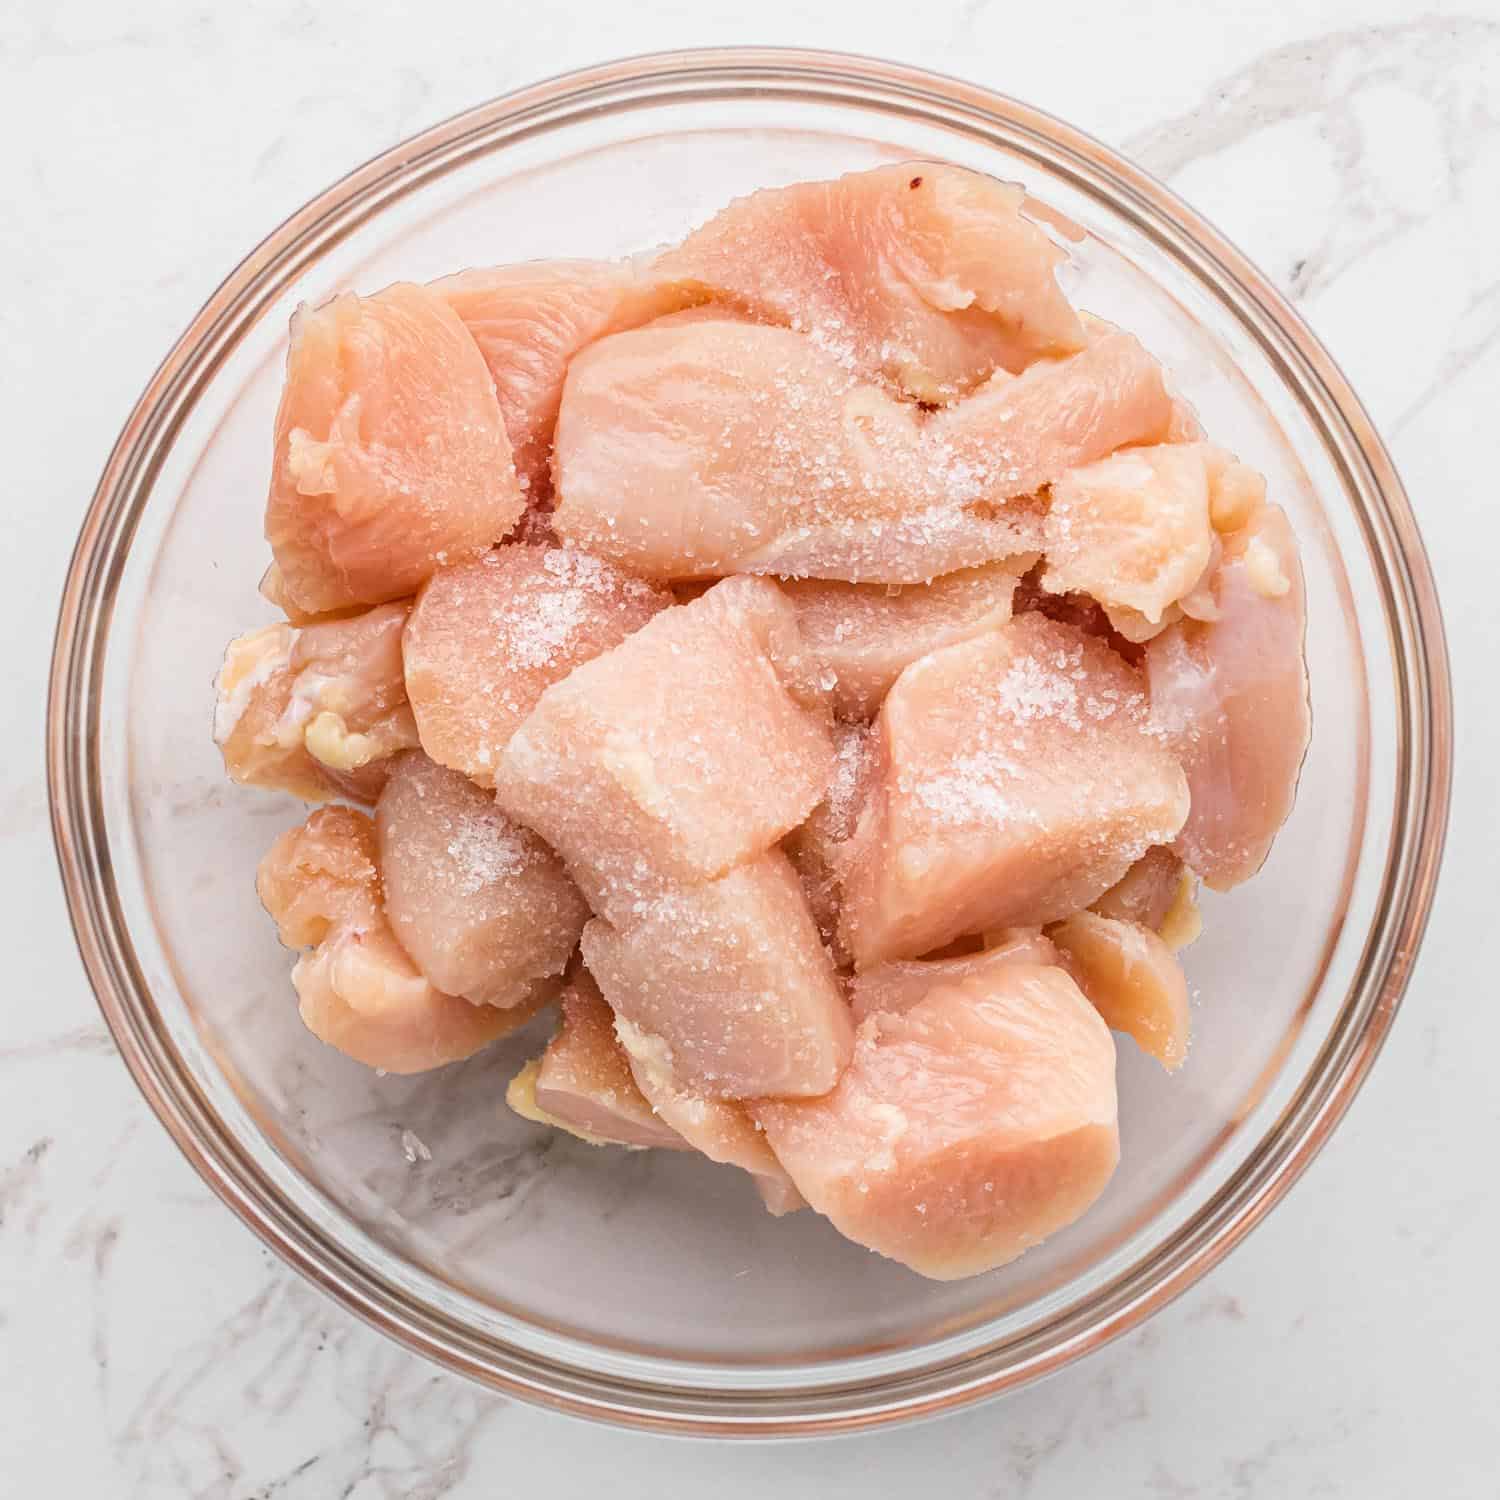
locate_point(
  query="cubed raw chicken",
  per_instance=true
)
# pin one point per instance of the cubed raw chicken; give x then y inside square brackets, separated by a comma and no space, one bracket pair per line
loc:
[722,1129]
[391,456]
[865,633]
[1231,696]
[358,990]
[966,1129]
[816,849]
[583,1084]
[694,745]
[695,447]
[482,904]
[1159,892]
[1018,779]
[487,638]
[252,691]
[529,321]
[928,275]
[904,983]
[1184,426]
[1131,978]
[316,711]
[730,981]
[1132,530]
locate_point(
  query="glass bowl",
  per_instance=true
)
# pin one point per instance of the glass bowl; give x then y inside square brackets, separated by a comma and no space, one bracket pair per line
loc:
[651,1289]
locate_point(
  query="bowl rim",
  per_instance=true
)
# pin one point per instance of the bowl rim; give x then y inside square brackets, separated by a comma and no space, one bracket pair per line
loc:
[1424,758]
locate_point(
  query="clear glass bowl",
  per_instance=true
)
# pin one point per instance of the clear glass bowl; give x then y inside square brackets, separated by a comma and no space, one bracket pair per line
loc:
[651,1289]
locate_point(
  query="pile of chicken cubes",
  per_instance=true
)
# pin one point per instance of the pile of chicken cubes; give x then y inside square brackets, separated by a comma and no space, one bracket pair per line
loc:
[813,657]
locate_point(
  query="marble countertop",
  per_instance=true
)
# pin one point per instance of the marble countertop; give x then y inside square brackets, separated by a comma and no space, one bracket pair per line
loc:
[150,1347]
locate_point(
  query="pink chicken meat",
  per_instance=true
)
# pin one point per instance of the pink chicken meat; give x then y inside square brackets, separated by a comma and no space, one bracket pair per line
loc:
[721,1129]
[729,984]
[899,985]
[484,907]
[817,848]
[929,276]
[1231,696]
[530,320]
[317,711]
[391,456]
[1018,779]
[865,633]
[694,745]
[1131,978]
[697,447]
[582,1082]
[487,638]
[358,990]
[966,1129]
[814,653]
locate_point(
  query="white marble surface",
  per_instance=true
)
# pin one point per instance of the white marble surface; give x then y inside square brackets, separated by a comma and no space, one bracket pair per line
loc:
[150,1347]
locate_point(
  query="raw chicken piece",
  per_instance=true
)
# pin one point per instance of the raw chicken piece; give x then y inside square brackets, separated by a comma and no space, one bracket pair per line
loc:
[530,320]
[1132,530]
[904,983]
[483,906]
[721,1129]
[391,455]
[1184,426]
[697,446]
[966,1129]
[252,690]
[929,275]
[1159,892]
[693,746]
[729,980]
[1018,780]
[272,590]
[1145,893]
[1131,978]
[487,638]
[1238,492]
[1231,696]
[816,849]
[317,711]
[358,990]
[582,1083]
[865,633]
[349,690]
[323,874]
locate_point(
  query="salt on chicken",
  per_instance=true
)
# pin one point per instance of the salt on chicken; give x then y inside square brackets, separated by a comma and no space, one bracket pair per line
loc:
[818,651]
[694,745]
[927,275]
[1018,779]
[487,638]
[530,320]
[729,980]
[696,447]
[481,903]
[966,1129]
[865,633]
[358,990]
